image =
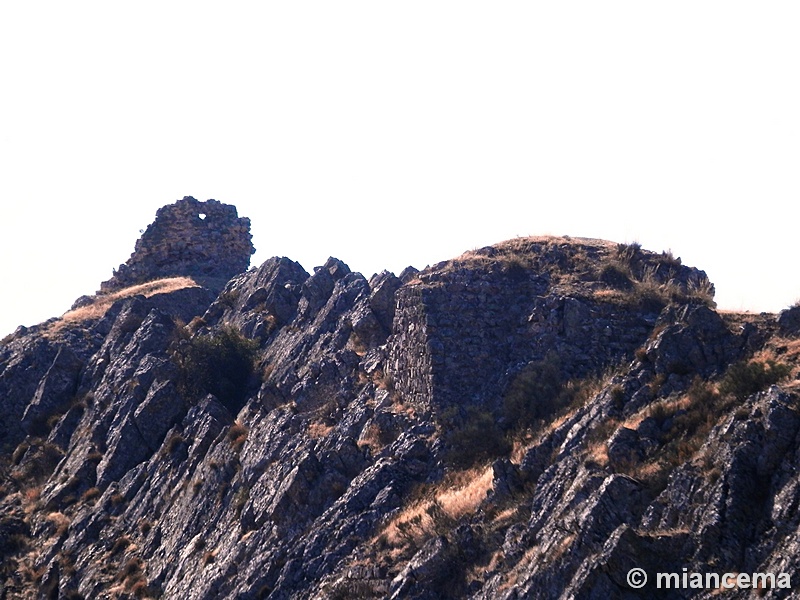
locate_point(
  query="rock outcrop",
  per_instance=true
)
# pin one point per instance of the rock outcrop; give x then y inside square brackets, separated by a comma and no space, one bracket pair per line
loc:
[530,420]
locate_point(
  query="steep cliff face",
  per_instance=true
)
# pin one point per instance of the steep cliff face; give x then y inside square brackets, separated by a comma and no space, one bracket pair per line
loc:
[531,419]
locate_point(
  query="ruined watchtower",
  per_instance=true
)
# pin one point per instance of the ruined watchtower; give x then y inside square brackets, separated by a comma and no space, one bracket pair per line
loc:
[204,240]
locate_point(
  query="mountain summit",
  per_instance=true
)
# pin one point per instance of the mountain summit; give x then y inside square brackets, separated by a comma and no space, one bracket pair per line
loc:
[532,419]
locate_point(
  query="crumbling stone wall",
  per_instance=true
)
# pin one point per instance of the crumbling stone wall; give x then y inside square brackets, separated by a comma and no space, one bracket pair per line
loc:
[461,340]
[462,333]
[205,240]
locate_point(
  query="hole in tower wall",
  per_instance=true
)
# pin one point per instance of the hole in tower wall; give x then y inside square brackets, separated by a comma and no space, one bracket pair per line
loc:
[202,216]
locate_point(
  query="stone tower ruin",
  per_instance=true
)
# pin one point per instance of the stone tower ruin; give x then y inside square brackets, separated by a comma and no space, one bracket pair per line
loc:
[207,241]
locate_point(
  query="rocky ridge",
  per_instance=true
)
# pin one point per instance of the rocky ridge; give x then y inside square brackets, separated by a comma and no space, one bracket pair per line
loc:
[528,420]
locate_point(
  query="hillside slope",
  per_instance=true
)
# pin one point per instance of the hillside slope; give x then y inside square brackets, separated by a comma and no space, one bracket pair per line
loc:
[528,420]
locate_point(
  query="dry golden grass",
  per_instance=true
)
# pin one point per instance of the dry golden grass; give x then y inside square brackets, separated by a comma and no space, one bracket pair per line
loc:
[139,589]
[506,516]
[483,570]
[558,421]
[28,573]
[646,471]
[781,350]
[597,443]
[727,584]
[209,557]
[584,391]
[459,496]
[520,445]
[525,250]
[793,350]
[30,499]
[547,554]
[587,393]
[90,495]
[32,494]
[413,523]
[318,429]
[237,434]
[513,576]
[523,245]
[371,438]
[597,452]
[465,500]
[665,406]
[102,302]
[60,521]
[116,591]
[356,344]
[649,287]
[667,532]
[120,544]
[399,406]
[560,548]
[609,295]
[382,380]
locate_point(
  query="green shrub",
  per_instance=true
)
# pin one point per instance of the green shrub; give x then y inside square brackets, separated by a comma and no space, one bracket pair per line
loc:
[475,438]
[617,276]
[702,393]
[744,379]
[692,424]
[229,298]
[39,465]
[536,393]
[221,363]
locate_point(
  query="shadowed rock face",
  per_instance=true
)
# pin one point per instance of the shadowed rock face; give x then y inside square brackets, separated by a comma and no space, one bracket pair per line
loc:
[340,476]
[204,240]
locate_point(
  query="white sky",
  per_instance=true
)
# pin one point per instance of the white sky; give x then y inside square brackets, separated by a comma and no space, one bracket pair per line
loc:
[396,133]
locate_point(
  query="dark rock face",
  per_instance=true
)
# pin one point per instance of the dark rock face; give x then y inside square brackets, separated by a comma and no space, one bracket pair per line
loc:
[55,389]
[789,320]
[336,478]
[206,240]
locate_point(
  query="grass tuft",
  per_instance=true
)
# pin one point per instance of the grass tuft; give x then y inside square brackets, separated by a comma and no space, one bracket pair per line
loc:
[102,302]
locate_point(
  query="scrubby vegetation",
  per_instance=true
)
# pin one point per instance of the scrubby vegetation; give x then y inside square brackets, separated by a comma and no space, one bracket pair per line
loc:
[745,378]
[650,280]
[536,393]
[221,363]
[680,424]
[622,273]
[535,398]
[540,391]
[473,438]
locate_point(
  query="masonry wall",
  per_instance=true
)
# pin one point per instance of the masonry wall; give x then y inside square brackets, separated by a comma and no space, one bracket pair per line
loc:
[461,337]
[206,240]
